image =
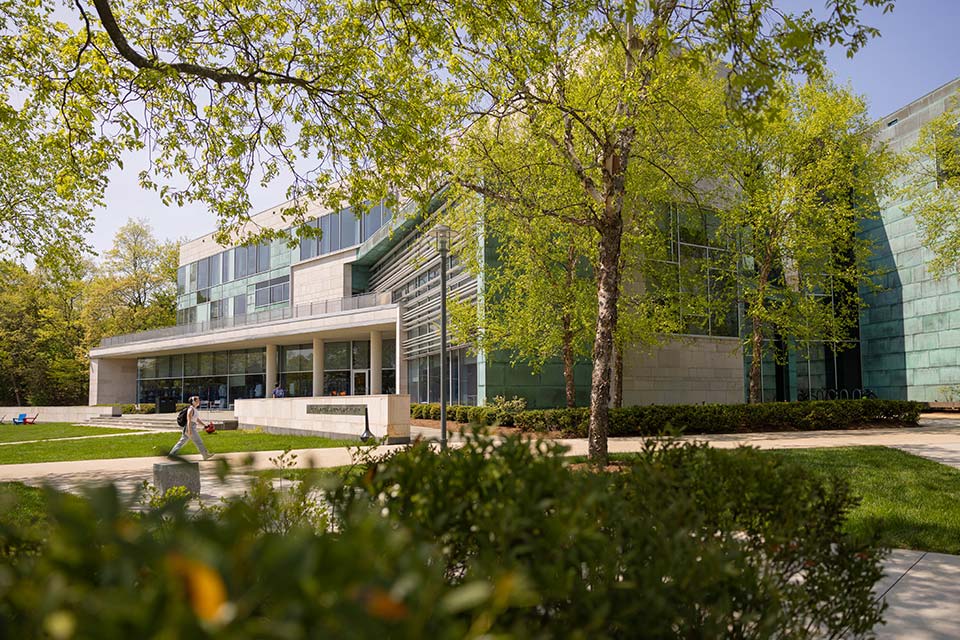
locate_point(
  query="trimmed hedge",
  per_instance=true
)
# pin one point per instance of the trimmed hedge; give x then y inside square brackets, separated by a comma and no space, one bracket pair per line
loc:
[486,416]
[727,418]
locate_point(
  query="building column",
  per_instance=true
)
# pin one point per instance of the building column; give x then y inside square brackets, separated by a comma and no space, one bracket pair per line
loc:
[271,369]
[317,366]
[402,388]
[376,363]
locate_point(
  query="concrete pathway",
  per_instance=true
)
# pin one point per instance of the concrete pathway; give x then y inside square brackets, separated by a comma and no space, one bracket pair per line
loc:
[922,591]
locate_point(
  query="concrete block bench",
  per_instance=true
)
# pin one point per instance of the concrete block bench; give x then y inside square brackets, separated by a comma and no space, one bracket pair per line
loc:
[167,475]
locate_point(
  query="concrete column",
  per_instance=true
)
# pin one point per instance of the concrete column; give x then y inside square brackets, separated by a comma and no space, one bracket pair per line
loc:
[376,363]
[112,380]
[317,366]
[401,370]
[271,369]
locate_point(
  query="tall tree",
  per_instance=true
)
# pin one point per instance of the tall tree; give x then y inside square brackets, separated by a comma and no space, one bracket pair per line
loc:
[353,99]
[931,187]
[805,178]
[134,289]
[524,59]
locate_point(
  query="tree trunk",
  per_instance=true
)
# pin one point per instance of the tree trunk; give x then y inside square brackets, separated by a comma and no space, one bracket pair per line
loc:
[568,362]
[608,292]
[756,356]
[616,374]
[567,320]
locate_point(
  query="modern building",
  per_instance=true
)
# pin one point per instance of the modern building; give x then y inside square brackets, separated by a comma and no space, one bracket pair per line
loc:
[356,312]
[907,345]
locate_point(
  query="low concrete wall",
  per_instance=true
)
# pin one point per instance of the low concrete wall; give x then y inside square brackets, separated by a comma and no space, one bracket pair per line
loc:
[389,416]
[59,414]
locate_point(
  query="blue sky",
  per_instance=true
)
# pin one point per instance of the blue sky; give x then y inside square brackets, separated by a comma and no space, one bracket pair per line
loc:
[919,50]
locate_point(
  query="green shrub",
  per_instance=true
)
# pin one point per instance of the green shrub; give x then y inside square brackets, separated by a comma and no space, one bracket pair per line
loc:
[688,542]
[490,540]
[733,418]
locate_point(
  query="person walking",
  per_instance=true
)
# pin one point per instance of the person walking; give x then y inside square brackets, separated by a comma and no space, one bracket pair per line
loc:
[190,430]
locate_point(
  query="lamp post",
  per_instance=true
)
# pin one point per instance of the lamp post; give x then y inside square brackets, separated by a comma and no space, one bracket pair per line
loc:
[442,234]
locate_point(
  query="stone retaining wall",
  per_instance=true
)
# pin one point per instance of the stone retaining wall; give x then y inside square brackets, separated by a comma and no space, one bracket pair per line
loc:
[59,414]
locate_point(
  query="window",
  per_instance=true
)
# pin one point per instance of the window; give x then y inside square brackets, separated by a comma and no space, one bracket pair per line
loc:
[240,262]
[181,280]
[273,291]
[214,269]
[192,270]
[240,305]
[325,237]
[349,228]
[263,257]
[334,232]
[336,356]
[251,259]
[308,246]
[203,274]
[361,354]
[226,259]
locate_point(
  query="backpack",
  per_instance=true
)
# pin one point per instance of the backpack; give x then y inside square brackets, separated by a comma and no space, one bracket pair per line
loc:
[182,417]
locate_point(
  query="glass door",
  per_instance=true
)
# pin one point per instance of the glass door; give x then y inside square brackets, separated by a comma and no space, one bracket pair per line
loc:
[359,383]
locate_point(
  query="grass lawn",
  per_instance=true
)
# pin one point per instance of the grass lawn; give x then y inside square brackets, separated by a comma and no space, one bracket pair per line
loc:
[51,431]
[912,502]
[23,506]
[159,444]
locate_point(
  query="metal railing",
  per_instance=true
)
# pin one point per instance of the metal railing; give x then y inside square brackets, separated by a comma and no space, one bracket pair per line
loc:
[313,309]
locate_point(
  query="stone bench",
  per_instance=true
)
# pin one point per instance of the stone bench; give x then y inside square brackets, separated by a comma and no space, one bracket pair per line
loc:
[167,475]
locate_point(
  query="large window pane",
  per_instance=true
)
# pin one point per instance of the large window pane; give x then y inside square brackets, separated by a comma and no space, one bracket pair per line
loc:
[251,259]
[361,354]
[220,363]
[263,257]
[214,270]
[388,381]
[147,367]
[181,279]
[206,364]
[334,232]
[336,383]
[389,354]
[240,305]
[203,274]
[191,366]
[434,379]
[256,361]
[263,296]
[238,362]
[336,355]
[192,274]
[349,228]
[325,238]
[297,384]
[239,262]
[226,260]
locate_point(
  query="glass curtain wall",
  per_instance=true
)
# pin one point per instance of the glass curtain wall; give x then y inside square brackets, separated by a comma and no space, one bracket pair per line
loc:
[346,368]
[296,370]
[218,377]
[423,378]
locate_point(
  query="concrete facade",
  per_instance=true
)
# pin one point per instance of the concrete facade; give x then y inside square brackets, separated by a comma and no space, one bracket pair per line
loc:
[694,369]
[112,380]
[322,278]
[389,416]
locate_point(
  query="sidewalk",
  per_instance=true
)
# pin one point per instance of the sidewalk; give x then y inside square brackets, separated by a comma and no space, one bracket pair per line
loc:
[922,591]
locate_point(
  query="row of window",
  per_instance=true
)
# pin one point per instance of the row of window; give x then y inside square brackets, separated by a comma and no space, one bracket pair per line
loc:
[343,229]
[223,267]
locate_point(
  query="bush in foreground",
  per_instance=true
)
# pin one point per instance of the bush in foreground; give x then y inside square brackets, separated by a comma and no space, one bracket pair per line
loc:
[489,540]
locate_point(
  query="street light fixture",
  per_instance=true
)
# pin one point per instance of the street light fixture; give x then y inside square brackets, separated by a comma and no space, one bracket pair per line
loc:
[442,234]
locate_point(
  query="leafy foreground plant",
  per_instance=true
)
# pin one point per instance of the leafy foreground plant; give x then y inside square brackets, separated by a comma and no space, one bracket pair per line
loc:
[502,540]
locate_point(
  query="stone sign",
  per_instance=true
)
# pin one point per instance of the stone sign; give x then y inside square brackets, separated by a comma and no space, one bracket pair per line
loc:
[338,409]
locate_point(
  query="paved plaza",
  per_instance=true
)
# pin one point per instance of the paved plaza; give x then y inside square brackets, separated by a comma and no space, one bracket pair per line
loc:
[922,589]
